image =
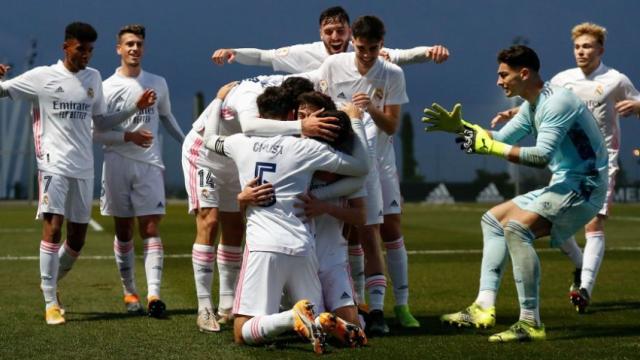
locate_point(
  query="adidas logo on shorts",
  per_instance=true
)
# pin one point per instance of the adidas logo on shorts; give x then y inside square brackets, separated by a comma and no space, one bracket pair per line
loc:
[345,296]
[160,205]
[394,204]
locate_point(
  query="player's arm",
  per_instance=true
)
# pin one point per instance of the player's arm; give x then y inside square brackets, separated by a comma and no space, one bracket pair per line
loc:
[436,53]
[354,214]
[504,116]
[312,126]
[387,119]
[477,140]
[356,164]
[244,56]
[630,99]
[104,122]
[166,116]
[4,69]
[254,194]
[142,138]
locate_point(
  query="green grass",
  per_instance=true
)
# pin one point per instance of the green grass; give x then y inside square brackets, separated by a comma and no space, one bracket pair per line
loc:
[97,326]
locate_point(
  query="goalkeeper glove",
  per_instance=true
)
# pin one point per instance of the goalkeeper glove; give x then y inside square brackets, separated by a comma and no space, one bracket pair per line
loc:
[476,140]
[439,119]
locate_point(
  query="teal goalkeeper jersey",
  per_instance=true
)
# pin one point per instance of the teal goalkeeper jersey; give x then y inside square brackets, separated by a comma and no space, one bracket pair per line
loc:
[567,138]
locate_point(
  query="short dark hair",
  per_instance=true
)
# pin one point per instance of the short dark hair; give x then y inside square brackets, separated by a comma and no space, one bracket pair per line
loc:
[520,56]
[344,141]
[368,27]
[334,14]
[80,31]
[293,87]
[135,29]
[317,100]
[272,103]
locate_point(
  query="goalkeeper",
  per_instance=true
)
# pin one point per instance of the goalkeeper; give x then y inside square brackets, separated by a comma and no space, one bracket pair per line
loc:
[568,141]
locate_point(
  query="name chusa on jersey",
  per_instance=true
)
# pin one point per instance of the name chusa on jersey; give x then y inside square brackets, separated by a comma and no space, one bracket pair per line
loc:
[71,110]
[275,149]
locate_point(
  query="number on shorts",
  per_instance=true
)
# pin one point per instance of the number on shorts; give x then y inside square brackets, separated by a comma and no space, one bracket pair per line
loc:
[47,181]
[261,169]
[208,179]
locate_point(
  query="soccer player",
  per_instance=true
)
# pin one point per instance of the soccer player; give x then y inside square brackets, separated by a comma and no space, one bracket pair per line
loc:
[335,34]
[608,94]
[132,176]
[66,97]
[378,87]
[277,241]
[568,141]
[212,184]
[329,216]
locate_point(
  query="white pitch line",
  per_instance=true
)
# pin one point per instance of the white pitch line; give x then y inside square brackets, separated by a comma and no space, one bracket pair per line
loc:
[95,226]
[409,252]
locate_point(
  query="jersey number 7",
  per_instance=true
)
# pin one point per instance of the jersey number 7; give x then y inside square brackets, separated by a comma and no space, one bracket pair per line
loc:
[260,170]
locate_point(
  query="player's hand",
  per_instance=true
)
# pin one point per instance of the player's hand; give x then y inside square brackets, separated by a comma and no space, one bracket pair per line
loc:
[147,99]
[627,107]
[221,55]
[384,54]
[438,119]
[361,100]
[438,54]
[256,195]
[476,140]
[310,205]
[503,116]
[142,138]
[4,69]
[352,111]
[224,90]
[323,127]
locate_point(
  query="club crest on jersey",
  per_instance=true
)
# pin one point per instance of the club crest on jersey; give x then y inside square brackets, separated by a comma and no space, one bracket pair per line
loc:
[323,86]
[378,94]
[599,90]
[282,52]
[90,92]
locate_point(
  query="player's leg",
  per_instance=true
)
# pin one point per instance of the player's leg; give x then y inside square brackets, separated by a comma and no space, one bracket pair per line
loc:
[494,256]
[229,261]
[356,262]
[53,190]
[153,262]
[78,215]
[49,263]
[115,200]
[375,280]
[203,203]
[571,249]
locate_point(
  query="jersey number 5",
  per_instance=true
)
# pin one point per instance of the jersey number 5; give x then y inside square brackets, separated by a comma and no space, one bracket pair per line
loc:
[261,169]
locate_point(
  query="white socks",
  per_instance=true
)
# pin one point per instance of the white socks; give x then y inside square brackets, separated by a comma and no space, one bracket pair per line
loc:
[125,261]
[592,259]
[376,286]
[486,298]
[203,257]
[153,258]
[229,264]
[398,267]
[262,328]
[67,257]
[49,264]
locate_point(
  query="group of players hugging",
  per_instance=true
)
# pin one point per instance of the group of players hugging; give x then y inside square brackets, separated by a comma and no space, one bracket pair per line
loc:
[302,168]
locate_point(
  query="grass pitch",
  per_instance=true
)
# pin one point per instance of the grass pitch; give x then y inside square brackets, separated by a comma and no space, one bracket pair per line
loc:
[444,244]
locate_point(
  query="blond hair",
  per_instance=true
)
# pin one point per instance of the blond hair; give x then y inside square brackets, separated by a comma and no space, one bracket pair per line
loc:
[587,28]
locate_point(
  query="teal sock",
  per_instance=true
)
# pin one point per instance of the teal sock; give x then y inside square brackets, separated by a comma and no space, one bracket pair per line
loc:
[526,265]
[494,253]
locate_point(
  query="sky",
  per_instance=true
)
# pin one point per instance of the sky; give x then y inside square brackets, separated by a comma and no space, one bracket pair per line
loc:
[181,36]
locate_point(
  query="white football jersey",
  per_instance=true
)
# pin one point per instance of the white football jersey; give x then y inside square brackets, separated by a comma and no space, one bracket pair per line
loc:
[339,78]
[240,103]
[288,163]
[63,105]
[301,58]
[600,91]
[122,92]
